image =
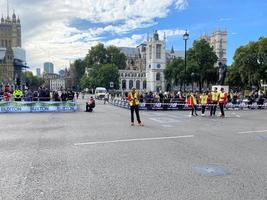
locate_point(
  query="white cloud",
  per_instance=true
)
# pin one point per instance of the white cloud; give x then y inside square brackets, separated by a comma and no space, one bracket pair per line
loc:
[47,34]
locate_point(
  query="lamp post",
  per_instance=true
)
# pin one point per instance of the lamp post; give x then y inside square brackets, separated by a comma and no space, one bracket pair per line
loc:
[185,38]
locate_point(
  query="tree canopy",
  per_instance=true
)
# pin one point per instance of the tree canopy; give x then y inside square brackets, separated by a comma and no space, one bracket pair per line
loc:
[249,66]
[32,81]
[201,62]
[103,64]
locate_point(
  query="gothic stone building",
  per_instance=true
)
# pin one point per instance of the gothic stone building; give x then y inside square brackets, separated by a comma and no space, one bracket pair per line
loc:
[10,37]
[218,40]
[146,64]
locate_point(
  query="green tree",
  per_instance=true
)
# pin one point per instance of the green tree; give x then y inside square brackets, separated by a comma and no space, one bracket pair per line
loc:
[116,57]
[174,72]
[233,77]
[97,55]
[201,61]
[101,76]
[250,61]
[104,64]
[33,82]
[78,70]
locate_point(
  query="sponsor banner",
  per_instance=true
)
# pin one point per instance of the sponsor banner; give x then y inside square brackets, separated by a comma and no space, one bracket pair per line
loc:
[36,107]
[179,106]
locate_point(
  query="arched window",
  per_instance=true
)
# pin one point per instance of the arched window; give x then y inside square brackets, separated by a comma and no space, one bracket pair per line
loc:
[158,66]
[138,85]
[130,84]
[124,84]
[158,77]
[144,85]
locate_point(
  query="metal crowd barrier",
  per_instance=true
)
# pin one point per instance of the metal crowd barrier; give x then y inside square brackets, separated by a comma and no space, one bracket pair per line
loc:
[183,106]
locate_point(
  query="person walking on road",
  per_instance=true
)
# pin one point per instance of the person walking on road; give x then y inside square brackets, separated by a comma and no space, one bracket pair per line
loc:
[203,102]
[214,102]
[192,103]
[222,101]
[134,98]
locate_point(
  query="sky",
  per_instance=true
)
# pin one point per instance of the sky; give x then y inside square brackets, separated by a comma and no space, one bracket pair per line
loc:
[61,31]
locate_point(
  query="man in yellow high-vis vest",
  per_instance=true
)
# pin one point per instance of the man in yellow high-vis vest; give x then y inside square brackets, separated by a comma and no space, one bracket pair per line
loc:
[134,102]
[214,101]
[203,102]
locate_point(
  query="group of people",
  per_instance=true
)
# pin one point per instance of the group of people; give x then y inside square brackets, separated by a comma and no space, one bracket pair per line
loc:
[208,99]
[42,94]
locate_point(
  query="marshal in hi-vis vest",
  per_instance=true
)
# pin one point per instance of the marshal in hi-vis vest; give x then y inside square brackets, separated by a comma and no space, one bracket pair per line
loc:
[134,99]
[204,99]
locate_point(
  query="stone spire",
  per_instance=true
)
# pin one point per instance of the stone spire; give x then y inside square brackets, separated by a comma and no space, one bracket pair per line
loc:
[2,19]
[172,50]
[14,17]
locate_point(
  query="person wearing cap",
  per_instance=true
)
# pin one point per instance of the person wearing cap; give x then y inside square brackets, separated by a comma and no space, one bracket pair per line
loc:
[222,101]
[133,99]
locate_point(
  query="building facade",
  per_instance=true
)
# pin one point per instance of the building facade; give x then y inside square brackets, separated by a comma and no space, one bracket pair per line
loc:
[38,72]
[155,64]
[10,37]
[57,84]
[133,78]
[48,67]
[146,64]
[218,40]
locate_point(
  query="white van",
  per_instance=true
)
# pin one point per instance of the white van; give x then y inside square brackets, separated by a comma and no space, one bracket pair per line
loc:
[100,92]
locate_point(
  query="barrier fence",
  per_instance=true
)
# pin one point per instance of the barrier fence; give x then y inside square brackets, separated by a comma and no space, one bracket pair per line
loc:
[183,106]
[37,107]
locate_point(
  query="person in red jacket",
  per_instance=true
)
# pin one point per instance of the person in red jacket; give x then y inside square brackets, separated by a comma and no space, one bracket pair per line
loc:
[222,101]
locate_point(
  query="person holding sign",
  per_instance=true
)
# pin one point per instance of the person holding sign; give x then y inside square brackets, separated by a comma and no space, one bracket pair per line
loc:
[134,102]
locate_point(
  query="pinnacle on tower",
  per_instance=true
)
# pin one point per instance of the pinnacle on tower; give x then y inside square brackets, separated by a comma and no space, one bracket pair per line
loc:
[156,36]
[14,18]
[172,50]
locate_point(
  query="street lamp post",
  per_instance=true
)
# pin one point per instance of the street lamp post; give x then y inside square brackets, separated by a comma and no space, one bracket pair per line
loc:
[185,38]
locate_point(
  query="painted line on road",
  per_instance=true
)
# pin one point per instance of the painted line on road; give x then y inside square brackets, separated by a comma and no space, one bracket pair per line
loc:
[246,132]
[166,126]
[134,140]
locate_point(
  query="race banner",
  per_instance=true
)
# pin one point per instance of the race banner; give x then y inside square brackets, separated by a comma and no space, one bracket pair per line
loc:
[37,107]
[183,106]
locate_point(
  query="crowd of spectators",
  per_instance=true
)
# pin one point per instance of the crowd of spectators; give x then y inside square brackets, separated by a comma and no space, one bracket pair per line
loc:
[7,93]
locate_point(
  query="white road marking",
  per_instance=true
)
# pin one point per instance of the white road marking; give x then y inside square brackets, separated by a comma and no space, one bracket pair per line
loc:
[259,131]
[134,140]
[166,126]
[164,120]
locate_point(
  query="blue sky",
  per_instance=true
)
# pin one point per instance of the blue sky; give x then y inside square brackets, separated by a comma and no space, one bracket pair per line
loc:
[65,31]
[244,20]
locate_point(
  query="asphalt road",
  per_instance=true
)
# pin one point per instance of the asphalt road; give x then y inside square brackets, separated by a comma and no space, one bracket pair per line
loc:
[99,155]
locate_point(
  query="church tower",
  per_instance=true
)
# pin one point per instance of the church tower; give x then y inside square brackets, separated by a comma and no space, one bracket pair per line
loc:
[10,37]
[156,63]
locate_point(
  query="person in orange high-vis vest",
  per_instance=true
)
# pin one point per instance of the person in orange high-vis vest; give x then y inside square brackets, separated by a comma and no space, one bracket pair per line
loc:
[203,102]
[222,101]
[134,102]
[192,103]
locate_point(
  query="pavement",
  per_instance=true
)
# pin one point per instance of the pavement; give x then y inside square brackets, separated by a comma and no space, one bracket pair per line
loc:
[91,156]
